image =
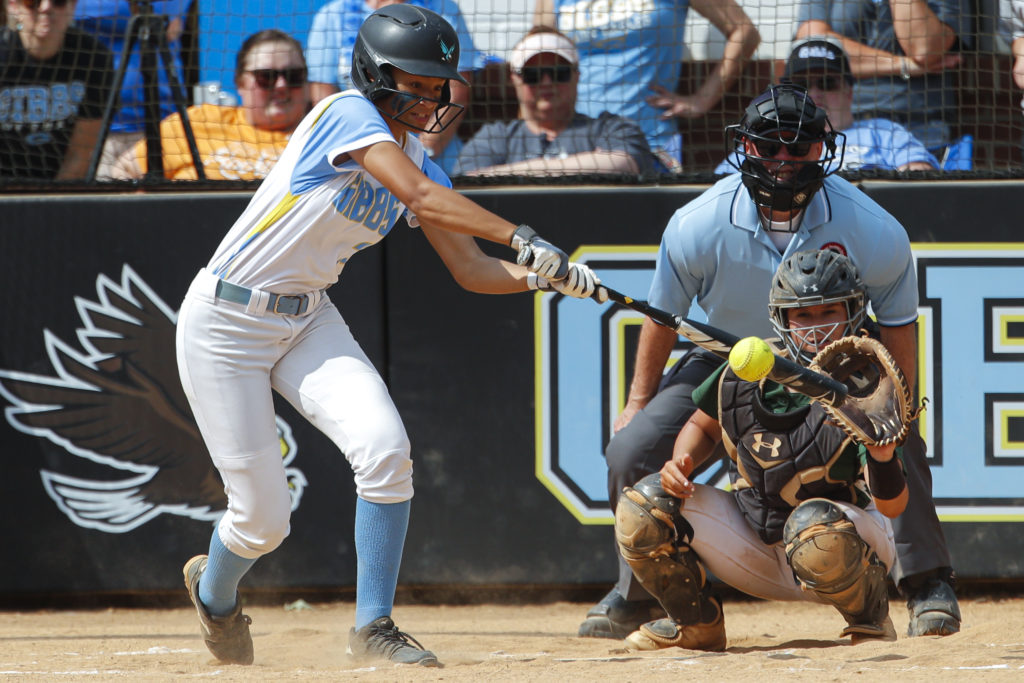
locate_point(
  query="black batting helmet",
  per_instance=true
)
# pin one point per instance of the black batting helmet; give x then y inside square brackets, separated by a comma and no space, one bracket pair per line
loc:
[409,38]
[809,278]
[784,114]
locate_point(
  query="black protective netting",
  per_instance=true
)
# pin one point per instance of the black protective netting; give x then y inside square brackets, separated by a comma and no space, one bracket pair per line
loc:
[87,97]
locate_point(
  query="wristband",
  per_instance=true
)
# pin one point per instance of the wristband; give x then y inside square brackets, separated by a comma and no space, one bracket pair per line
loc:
[524,234]
[887,480]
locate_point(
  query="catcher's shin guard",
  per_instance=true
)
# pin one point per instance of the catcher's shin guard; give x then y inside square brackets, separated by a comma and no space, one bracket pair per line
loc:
[830,558]
[646,527]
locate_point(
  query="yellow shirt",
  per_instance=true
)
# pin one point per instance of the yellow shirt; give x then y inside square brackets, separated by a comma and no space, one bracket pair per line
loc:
[231,148]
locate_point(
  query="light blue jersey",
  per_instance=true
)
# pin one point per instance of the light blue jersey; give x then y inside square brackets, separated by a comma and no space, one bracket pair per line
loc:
[317,208]
[715,247]
[336,26]
[625,47]
[877,144]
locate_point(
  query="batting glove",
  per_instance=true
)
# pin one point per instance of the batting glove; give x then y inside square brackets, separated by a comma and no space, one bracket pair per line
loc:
[539,255]
[580,282]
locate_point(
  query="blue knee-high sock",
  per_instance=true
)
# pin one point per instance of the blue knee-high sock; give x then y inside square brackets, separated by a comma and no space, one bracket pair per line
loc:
[218,586]
[380,537]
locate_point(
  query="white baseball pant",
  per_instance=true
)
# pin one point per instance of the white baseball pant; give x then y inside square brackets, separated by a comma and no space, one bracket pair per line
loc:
[230,359]
[734,553]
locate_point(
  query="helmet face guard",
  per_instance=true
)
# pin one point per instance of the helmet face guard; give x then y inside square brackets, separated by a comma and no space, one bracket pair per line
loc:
[784,115]
[412,39]
[401,103]
[811,278]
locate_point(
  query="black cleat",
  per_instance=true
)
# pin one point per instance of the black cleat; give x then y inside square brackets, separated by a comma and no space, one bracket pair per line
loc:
[381,639]
[615,617]
[226,637]
[932,604]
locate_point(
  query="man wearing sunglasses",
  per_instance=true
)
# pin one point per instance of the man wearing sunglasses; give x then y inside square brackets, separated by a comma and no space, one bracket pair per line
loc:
[550,138]
[821,67]
[903,54]
[721,251]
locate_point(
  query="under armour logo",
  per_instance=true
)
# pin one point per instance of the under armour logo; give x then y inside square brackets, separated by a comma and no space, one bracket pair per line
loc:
[810,288]
[446,51]
[759,442]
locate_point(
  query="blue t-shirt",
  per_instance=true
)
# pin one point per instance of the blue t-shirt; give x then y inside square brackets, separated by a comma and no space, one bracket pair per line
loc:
[108,20]
[336,25]
[715,249]
[870,144]
[625,47]
[506,142]
[925,104]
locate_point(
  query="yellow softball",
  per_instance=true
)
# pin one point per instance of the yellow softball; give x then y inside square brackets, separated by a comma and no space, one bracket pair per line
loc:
[751,358]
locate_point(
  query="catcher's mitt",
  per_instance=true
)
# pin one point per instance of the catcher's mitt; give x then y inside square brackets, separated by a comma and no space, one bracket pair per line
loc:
[878,409]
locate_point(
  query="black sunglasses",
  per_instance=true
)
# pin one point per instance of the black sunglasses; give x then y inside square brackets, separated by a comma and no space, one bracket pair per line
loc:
[771,148]
[825,83]
[532,75]
[267,78]
[34,4]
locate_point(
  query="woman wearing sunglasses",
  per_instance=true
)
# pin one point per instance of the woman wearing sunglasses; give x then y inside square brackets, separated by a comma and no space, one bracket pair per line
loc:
[551,138]
[55,81]
[108,20]
[244,142]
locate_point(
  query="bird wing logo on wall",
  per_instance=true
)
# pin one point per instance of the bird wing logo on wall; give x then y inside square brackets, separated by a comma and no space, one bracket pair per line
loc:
[116,401]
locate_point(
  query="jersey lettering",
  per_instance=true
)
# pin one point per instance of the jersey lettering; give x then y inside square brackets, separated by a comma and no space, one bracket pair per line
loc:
[376,208]
[600,20]
[40,104]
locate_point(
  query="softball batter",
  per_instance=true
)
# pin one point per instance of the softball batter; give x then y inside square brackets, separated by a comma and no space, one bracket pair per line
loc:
[257,318]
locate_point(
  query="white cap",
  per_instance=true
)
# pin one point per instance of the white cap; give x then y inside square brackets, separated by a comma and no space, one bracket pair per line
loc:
[537,43]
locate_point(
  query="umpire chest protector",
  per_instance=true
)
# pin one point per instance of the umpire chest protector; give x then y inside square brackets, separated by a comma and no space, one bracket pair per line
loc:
[781,459]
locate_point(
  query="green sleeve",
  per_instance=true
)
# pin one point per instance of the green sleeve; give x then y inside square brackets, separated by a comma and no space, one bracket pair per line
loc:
[705,396]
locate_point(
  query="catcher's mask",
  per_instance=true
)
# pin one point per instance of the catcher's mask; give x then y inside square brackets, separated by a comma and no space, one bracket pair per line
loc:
[810,278]
[412,39]
[784,115]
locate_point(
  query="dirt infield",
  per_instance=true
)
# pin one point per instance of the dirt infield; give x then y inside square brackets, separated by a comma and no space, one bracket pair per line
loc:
[506,643]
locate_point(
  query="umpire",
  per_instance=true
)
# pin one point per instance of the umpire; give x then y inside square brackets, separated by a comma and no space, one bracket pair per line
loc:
[723,248]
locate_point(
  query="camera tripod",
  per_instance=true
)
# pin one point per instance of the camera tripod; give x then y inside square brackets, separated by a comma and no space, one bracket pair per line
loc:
[149,32]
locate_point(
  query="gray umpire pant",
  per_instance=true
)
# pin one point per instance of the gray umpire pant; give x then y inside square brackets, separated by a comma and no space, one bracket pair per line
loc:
[645,444]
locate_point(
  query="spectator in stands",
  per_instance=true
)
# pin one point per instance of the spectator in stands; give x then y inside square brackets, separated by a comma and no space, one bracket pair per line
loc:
[627,50]
[550,137]
[902,53]
[329,50]
[54,80]
[819,65]
[237,143]
[108,20]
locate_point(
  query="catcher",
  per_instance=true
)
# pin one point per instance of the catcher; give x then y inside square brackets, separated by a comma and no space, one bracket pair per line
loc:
[808,514]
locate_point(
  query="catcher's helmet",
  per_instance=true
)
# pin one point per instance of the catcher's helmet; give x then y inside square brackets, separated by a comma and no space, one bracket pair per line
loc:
[784,114]
[809,278]
[414,40]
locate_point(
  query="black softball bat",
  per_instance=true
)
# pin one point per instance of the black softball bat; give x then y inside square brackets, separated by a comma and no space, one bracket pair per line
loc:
[804,380]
